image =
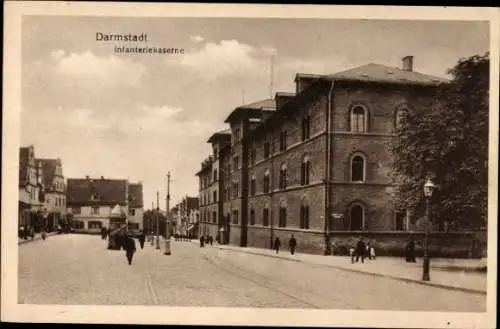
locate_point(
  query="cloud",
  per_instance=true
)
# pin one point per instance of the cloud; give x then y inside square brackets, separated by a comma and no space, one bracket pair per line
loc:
[228,57]
[57,55]
[197,38]
[107,71]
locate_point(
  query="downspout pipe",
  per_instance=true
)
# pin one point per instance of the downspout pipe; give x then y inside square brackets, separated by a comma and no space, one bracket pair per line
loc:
[328,158]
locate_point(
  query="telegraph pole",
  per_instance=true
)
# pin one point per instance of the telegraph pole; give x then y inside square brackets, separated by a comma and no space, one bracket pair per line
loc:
[168,203]
[151,219]
[167,231]
[157,220]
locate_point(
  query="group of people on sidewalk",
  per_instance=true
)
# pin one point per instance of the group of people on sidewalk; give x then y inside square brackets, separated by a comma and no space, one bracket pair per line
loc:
[122,239]
[292,244]
[362,250]
[206,239]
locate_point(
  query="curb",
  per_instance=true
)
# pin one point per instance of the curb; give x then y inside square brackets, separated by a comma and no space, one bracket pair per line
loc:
[36,238]
[425,283]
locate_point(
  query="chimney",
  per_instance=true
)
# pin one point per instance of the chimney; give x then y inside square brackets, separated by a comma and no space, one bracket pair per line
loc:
[87,177]
[408,63]
[102,177]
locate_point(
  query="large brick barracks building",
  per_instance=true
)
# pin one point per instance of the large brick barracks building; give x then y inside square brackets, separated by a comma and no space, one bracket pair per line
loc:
[314,163]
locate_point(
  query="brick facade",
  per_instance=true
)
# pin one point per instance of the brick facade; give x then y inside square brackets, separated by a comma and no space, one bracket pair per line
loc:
[336,131]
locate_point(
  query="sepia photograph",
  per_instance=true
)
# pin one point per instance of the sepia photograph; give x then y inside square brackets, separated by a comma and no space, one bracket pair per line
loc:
[186,158]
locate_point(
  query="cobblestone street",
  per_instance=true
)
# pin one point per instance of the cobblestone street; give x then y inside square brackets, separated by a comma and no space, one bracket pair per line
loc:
[79,270]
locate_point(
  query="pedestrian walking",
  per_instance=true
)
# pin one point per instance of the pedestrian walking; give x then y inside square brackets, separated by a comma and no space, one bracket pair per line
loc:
[277,244]
[129,246]
[210,240]
[44,235]
[410,251]
[142,239]
[372,252]
[292,244]
[360,250]
[352,252]
[202,241]
[103,233]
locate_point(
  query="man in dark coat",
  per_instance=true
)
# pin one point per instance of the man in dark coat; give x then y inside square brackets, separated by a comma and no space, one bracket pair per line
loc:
[292,244]
[202,241]
[142,239]
[277,244]
[360,250]
[410,251]
[210,240]
[129,246]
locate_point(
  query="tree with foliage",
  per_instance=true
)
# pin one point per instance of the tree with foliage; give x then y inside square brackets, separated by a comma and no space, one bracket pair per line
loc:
[449,142]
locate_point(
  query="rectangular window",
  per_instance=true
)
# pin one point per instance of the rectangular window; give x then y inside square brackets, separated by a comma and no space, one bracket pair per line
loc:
[215,196]
[265,217]
[235,217]
[252,217]
[236,162]
[131,211]
[214,217]
[95,210]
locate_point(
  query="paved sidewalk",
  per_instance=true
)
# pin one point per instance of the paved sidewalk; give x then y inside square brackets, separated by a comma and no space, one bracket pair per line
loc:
[38,236]
[454,274]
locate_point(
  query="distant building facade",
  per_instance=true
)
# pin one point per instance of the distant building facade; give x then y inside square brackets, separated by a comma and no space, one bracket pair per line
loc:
[91,202]
[314,163]
[54,192]
[31,202]
[186,216]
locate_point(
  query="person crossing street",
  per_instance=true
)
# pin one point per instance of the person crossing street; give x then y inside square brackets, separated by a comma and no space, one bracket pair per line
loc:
[129,246]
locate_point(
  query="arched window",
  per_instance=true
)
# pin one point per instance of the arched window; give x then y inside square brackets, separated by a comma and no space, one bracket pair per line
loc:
[267,181]
[357,217]
[252,185]
[304,215]
[215,174]
[305,171]
[359,119]
[283,177]
[282,214]
[399,117]
[265,215]
[357,168]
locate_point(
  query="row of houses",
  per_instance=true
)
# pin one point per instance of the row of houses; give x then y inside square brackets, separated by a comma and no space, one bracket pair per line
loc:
[186,216]
[47,199]
[314,163]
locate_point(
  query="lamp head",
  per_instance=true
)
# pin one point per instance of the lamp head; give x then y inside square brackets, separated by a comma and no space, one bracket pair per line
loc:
[429,187]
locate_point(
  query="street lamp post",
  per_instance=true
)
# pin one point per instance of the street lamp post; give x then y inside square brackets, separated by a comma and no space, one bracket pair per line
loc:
[428,189]
[157,220]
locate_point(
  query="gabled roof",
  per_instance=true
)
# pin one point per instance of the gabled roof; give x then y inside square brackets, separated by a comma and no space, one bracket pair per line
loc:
[380,73]
[49,170]
[24,162]
[252,108]
[135,195]
[108,191]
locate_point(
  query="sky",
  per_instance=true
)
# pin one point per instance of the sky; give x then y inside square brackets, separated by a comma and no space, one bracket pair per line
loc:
[140,116]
